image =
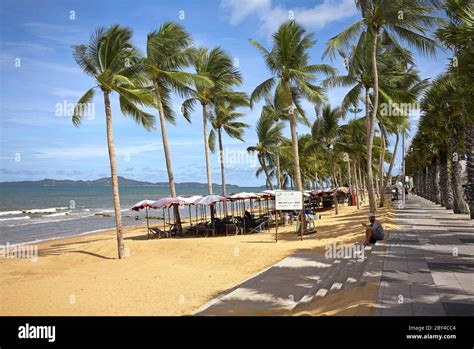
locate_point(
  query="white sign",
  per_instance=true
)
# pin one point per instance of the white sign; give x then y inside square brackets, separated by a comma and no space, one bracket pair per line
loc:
[288,200]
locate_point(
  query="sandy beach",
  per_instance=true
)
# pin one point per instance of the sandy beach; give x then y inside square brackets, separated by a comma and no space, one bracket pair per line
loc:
[81,275]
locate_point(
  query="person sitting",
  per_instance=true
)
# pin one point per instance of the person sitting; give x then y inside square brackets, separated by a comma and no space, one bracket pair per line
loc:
[247,215]
[374,230]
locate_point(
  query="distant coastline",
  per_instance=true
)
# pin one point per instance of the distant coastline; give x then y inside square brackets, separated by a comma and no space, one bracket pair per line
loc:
[106,181]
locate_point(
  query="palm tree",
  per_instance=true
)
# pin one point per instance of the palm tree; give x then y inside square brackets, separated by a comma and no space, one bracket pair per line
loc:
[226,119]
[113,62]
[268,135]
[217,66]
[391,21]
[292,78]
[402,85]
[440,128]
[169,50]
[326,132]
[457,36]
[352,136]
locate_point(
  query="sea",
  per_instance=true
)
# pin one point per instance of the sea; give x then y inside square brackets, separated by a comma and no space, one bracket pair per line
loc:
[32,213]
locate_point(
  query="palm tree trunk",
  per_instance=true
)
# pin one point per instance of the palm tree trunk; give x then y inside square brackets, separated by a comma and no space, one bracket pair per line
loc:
[349,177]
[334,182]
[382,160]
[206,149]
[445,181]
[166,148]
[361,184]
[356,183]
[371,121]
[377,188]
[434,181]
[278,170]
[296,156]
[425,183]
[265,169]
[113,173]
[370,140]
[469,144]
[459,204]
[389,172]
[221,156]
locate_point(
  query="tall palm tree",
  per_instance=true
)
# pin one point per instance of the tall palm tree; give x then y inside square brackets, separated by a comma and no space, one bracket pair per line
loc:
[293,78]
[326,132]
[352,137]
[169,50]
[399,83]
[457,35]
[440,128]
[393,21]
[113,62]
[216,65]
[225,118]
[269,133]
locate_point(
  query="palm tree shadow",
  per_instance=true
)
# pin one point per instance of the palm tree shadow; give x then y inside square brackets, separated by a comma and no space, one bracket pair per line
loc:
[60,249]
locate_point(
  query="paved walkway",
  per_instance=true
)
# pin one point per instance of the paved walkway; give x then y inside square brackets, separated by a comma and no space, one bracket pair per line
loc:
[429,264]
[424,268]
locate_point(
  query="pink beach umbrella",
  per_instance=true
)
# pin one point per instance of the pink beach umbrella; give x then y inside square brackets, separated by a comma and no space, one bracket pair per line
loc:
[167,202]
[144,204]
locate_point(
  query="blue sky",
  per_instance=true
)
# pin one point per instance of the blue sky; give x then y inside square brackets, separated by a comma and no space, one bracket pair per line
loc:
[35,143]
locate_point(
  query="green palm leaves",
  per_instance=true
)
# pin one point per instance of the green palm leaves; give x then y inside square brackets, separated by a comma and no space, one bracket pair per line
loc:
[293,78]
[113,62]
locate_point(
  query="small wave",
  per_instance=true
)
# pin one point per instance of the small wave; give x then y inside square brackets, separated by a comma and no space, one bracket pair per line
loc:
[14,218]
[56,214]
[45,210]
[8,213]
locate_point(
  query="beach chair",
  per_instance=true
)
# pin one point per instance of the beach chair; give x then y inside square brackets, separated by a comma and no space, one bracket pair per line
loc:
[310,229]
[205,229]
[260,227]
[231,228]
[157,233]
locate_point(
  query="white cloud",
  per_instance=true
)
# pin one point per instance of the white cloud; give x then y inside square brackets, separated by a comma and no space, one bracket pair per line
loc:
[59,34]
[63,92]
[22,47]
[100,150]
[241,9]
[271,16]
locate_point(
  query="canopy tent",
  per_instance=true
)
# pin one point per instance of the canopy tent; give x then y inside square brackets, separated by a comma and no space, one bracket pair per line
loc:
[144,204]
[209,200]
[268,192]
[191,200]
[167,202]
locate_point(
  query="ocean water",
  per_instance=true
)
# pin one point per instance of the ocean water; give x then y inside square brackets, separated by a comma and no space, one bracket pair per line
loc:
[30,213]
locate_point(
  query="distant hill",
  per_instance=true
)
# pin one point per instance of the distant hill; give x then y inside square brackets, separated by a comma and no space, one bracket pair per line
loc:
[106,181]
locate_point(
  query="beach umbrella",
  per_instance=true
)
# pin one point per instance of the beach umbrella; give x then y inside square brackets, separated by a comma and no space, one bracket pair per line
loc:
[144,204]
[268,192]
[209,200]
[167,202]
[191,200]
